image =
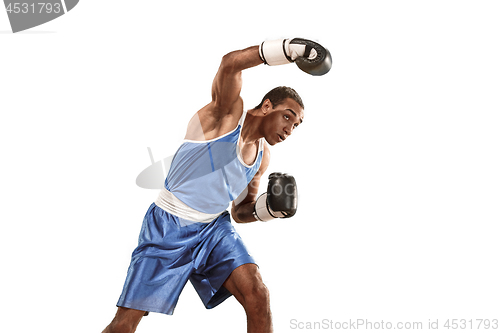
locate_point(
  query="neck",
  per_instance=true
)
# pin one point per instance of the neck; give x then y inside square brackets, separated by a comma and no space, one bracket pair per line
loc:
[250,133]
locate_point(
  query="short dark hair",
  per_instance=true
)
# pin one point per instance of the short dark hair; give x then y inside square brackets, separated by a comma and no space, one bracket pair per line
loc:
[279,94]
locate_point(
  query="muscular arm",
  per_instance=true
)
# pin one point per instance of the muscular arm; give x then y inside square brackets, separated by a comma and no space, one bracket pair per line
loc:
[221,115]
[243,211]
[227,84]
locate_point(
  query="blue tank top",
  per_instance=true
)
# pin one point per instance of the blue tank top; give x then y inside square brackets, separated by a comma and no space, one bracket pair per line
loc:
[208,175]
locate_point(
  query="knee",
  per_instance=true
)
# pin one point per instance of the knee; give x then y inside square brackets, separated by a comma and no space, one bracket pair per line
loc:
[257,298]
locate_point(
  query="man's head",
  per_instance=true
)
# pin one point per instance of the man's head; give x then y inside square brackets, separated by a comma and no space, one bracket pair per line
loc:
[284,111]
[279,94]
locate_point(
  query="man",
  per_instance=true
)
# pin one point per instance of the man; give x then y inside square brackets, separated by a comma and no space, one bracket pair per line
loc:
[187,233]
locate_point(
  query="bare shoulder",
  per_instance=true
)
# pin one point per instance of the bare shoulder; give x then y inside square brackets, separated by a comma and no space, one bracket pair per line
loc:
[209,123]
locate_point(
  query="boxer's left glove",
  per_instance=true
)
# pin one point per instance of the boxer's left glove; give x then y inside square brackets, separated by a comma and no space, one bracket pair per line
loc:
[280,200]
[309,56]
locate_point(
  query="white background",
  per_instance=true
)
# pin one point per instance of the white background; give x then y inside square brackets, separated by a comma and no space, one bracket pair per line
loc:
[397,161]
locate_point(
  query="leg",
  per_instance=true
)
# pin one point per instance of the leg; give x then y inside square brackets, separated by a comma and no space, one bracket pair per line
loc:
[245,283]
[125,321]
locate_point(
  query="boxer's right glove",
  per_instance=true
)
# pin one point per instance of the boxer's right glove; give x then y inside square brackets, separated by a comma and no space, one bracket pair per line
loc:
[280,200]
[309,56]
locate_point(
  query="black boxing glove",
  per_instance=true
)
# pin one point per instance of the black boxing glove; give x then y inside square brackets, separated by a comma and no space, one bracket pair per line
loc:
[280,200]
[309,56]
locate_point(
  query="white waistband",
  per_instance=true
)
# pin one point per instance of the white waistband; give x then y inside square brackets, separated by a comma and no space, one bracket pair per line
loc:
[169,203]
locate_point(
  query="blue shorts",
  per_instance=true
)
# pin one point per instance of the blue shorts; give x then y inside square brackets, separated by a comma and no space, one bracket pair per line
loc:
[171,252]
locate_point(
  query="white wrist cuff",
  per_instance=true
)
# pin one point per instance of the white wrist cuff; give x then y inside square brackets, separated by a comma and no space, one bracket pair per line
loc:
[261,211]
[274,52]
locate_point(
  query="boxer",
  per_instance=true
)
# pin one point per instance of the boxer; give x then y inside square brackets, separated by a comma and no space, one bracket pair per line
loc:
[187,233]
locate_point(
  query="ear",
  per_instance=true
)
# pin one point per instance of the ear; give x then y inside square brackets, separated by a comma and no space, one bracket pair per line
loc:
[267,106]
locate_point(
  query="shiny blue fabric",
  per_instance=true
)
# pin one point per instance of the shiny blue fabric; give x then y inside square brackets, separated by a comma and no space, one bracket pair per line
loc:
[170,253]
[208,175]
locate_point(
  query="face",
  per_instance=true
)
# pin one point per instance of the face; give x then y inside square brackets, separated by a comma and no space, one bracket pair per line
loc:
[281,120]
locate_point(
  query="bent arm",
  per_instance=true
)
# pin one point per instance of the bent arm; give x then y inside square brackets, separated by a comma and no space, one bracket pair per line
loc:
[243,211]
[227,84]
